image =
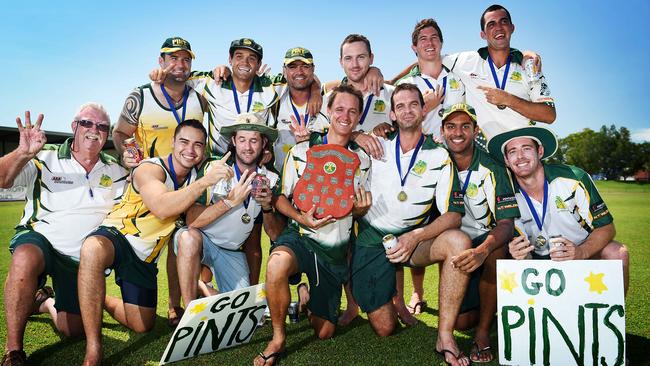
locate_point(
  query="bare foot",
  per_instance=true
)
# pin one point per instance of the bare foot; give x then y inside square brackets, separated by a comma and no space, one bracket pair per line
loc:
[402,312]
[446,346]
[348,315]
[271,354]
[416,304]
[93,358]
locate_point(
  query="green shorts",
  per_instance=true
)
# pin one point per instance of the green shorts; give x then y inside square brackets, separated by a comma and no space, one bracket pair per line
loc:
[372,278]
[325,279]
[61,268]
[137,279]
[472,300]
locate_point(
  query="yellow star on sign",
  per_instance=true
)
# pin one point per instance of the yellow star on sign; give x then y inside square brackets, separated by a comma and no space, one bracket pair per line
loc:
[595,282]
[531,301]
[508,281]
[198,308]
[261,294]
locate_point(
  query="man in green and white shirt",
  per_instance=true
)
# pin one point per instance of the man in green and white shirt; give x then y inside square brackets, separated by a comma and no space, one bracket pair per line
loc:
[316,247]
[563,217]
[490,209]
[70,189]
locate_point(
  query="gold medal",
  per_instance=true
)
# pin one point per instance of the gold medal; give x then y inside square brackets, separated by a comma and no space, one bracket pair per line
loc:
[401,196]
[501,106]
[540,241]
[246,218]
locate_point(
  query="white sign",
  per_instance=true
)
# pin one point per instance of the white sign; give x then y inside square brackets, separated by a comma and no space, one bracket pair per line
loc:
[561,313]
[217,322]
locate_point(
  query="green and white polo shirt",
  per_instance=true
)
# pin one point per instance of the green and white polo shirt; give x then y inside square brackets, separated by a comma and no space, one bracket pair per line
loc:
[229,231]
[454,93]
[282,117]
[473,69]
[489,195]
[376,112]
[222,107]
[64,203]
[431,187]
[332,239]
[574,207]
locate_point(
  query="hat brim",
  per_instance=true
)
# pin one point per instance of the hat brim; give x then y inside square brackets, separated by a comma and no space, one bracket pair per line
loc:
[176,49]
[287,61]
[446,115]
[543,136]
[257,52]
[229,131]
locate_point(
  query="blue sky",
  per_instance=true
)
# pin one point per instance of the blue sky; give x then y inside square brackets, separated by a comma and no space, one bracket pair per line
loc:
[595,54]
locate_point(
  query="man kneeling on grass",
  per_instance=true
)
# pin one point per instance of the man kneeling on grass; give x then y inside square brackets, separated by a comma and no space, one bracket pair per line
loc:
[563,216]
[134,233]
[70,189]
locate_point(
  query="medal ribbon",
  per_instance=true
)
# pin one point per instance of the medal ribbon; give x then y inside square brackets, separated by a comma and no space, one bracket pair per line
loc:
[236,98]
[366,109]
[186,93]
[532,208]
[411,163]
[173,173]
[466,183]
[248,198]
[505,73]
[444,84]
[295,111]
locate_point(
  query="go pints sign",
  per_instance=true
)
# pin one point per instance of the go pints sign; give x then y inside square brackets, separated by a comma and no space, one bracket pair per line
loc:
[561,313]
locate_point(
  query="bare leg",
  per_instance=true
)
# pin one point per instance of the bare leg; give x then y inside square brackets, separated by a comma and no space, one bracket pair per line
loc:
[351,309]
[27,263]
[417,297]
[383,320]
[172,282]
[205,283]
[282,264]
[616,250]
[97,253]
[190,247]
[253,250]
[137,318]
[398,300]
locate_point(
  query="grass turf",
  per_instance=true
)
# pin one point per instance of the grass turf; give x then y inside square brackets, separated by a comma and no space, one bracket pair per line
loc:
[352,345]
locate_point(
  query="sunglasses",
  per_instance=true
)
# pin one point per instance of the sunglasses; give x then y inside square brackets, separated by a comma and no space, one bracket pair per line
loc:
[102,127]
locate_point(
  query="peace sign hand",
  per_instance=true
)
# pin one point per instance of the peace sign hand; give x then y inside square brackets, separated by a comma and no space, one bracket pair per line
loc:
[299,129]
[32,138]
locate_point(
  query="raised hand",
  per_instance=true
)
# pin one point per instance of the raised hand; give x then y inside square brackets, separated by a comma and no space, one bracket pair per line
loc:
[265,69]
[158,75]
[383,129]
[219,170]
[373,81]
[242,189]
[370,144]
[299,129]
[433,98]
[32,138]
[496,96]
[220,73]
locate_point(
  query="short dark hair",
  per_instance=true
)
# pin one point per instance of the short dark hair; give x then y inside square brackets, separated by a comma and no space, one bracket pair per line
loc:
[233,151]
[191,123]
[345,88]
[403,87]
[355,38]
[425,23]
[490,8]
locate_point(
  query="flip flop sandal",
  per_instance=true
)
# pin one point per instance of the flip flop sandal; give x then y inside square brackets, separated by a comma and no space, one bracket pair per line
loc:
[276,356]
[417,308]
[475,355]
[174,316]
[40,296]
[458,357]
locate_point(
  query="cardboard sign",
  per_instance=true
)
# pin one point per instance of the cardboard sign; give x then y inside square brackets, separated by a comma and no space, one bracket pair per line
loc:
[561,313]
[327,181]
[217,322]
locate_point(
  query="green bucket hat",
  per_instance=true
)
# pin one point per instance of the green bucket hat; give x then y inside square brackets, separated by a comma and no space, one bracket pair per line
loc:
[174,44]
[459,107]
[248,44]
[250,122]
[298,54]
[543,136]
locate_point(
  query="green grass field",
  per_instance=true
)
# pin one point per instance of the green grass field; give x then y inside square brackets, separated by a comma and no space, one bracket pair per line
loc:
[352,345]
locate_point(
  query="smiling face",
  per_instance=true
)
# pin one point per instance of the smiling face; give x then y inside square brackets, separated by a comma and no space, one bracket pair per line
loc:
[344,113]
[299,75]
[498,29]
[355,60]
[523,156]
[244,64]
[407,110]
[459,132]
[249,146]
[188,147]
[181,62]
[428,44]
[92,137]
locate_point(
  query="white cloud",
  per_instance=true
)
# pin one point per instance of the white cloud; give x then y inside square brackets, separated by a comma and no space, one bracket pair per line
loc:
[641,135]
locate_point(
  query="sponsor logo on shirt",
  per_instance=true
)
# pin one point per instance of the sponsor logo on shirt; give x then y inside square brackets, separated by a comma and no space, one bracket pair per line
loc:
[61,180]
[158,127]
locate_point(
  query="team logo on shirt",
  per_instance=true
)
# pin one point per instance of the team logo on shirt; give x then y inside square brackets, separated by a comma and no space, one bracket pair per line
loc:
[453,84]
[329,167]
[516,76]
[380,106]
[258,107]
[419,168]
[472,190]
[559,203]
[105,181]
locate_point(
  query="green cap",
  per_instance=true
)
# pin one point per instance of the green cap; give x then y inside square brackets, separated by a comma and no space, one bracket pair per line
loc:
[249,122]
[543,136]
[248,44]
[298,54]
[459,107]
[174,44]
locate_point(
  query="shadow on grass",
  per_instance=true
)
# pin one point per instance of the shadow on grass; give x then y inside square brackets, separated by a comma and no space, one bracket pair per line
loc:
[637,349]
